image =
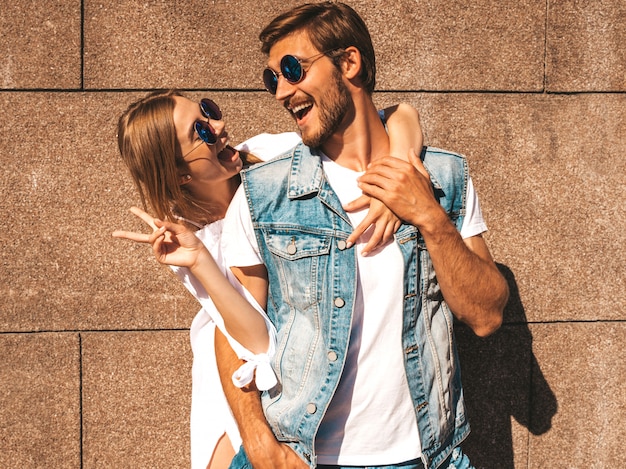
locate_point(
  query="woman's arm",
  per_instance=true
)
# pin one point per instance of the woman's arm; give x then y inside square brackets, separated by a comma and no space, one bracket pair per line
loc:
[405,135]
[174,244]
[404,129]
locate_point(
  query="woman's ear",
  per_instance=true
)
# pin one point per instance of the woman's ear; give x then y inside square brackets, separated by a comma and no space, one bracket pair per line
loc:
[184,179]
[351,62]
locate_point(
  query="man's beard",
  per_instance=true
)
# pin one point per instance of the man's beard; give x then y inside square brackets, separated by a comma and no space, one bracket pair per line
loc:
[332,109]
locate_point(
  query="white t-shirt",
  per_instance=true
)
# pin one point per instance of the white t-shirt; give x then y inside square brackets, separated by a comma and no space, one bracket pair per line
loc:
[366,423]
[210,414]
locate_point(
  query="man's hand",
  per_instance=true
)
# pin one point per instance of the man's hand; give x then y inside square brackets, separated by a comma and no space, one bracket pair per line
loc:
[268,453]
[403,187]
[472,286]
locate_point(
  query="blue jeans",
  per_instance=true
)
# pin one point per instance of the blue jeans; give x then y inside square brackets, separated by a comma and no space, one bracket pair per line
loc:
[240,461]
[457,460]
[415,464]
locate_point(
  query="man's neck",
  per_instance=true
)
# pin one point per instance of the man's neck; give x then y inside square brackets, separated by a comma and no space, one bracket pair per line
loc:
[359,140]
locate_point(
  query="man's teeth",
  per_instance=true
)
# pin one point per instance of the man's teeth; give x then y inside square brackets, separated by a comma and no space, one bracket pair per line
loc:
[300,107]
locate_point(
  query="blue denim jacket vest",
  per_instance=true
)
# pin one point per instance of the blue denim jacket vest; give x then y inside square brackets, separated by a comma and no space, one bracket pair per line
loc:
[301,230]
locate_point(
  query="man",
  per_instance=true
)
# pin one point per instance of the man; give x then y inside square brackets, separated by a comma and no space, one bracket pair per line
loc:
[366,359]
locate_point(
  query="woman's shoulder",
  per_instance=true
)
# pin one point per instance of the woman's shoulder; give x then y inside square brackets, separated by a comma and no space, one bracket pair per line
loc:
[210,235]
[266,146]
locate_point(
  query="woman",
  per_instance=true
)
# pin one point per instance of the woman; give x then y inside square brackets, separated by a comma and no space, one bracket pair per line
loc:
[178,155]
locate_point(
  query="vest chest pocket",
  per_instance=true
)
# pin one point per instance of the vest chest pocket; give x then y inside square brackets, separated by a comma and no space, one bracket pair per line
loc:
[298,262]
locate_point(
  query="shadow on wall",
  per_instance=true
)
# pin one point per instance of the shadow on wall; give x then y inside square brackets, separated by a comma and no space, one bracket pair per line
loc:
[502,379]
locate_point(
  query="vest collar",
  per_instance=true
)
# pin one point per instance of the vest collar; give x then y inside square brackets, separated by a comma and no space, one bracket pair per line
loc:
[306,172]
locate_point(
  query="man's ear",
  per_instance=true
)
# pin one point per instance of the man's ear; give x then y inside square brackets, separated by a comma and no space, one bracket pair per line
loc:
[351,62]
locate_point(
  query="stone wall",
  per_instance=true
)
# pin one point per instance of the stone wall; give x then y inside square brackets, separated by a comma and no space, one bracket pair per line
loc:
[95,368]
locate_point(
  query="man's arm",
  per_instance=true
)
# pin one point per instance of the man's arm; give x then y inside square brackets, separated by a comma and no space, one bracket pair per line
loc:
[261,446]
[472,285]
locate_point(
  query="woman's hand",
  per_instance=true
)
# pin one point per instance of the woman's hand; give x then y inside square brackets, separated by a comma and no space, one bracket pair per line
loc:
[172,243]
[175,244]
[383,221]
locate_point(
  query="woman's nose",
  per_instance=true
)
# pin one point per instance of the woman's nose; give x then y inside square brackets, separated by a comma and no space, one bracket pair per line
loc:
[218,125]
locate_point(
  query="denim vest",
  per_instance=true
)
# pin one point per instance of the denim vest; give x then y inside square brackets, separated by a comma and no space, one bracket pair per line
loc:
[301,230]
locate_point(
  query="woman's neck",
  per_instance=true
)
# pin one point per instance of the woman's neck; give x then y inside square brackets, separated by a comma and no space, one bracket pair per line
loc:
[215,199]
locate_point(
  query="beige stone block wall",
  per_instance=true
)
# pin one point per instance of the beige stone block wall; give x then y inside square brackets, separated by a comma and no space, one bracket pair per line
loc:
[95,368]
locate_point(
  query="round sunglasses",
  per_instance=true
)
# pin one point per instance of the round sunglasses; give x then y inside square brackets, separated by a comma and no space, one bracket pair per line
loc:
[290,68]
[206,132]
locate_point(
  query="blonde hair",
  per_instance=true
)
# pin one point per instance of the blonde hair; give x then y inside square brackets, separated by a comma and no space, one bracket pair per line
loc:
[149,147]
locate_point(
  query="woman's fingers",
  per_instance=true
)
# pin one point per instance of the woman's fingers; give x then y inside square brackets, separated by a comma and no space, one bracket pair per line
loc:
[132,236]
[148,219]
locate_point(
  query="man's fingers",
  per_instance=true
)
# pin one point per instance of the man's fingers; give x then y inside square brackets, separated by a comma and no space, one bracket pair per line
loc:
[392,168]
[387,166]
[371,188]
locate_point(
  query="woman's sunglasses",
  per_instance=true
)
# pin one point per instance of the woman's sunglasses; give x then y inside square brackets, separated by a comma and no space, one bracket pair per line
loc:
[205,131]
[290,68]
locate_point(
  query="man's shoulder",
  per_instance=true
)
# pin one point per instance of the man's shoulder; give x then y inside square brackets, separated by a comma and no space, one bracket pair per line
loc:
[438,153]
[437,160]
[449,174]
[282,160]
[269,178]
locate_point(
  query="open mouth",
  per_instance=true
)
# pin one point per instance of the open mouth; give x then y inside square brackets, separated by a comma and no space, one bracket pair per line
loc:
[227,154]
[301,110]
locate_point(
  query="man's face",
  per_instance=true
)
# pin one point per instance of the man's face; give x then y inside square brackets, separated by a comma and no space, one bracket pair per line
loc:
[320,101]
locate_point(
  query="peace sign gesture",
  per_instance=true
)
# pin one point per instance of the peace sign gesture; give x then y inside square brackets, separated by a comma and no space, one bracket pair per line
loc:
[172,243]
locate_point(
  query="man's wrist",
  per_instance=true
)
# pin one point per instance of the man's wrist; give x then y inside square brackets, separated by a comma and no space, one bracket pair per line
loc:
[431,221]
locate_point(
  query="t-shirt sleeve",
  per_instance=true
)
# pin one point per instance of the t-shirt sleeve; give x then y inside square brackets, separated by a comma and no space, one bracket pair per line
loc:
[267,146]
[239,245]
[473,223]
[257,366]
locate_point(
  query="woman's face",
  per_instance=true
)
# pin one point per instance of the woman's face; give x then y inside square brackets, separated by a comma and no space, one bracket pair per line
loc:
[206,163]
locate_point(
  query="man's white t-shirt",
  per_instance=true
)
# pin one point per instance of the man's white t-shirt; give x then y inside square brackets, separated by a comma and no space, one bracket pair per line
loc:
[370,420]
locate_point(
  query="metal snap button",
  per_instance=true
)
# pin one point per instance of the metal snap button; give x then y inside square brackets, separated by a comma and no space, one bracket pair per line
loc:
[291,249]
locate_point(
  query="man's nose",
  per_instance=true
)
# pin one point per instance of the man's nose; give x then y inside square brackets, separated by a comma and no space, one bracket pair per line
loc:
[284,89]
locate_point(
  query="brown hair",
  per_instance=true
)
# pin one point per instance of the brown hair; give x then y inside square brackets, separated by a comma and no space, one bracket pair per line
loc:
[329,26]
[149,147]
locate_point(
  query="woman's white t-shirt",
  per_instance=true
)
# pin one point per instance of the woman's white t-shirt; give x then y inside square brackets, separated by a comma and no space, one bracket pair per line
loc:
[210,414]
